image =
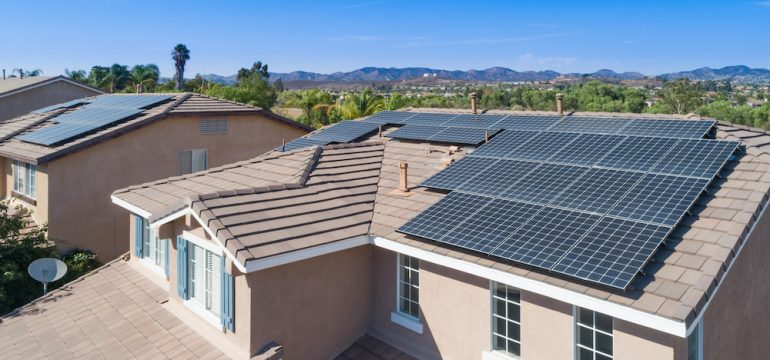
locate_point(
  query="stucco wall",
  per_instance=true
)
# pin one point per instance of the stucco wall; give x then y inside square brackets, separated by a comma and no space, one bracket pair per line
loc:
[737,322]
[81,212]
[49,94]
[314,308]
[41,202]
[547,328]
[634,342]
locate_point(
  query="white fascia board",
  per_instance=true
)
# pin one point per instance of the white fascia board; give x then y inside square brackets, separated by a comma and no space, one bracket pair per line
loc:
[171,217]
[669,326]
[130,207]
[298,255]
[216,240]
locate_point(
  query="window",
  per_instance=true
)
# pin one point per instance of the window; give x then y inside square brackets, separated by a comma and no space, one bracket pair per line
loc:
[593,335]
[205,280]
[24,178]
[409,286]
[154,250]
[191,161]
[695,342]
[506,320]
[213,126]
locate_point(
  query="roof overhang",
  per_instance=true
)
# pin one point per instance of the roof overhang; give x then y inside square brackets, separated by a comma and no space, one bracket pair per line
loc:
[49,81]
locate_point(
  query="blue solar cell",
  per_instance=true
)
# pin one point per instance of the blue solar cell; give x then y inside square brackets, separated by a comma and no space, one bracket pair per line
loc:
[301,143]
[613,252]
[695,129]
[479,121]
[527,122]
[497,177]
[434,119]
[63,105]
[346,131]
[466,136]
[444,215]
[492,224]
[591,125]
[456,174]
[660,199]
[587,149]
[389,117]
[546,237]
[128,101]
[504,143]
[597,190]
[415,132]
[542,146]
[699,158]
[542,184]
[637,153]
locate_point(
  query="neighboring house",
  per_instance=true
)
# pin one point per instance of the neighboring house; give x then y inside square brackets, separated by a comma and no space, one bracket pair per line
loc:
[19,96]
[297,255]
[63,162]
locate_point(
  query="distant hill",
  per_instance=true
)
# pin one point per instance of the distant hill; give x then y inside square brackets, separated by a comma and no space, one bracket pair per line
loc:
[738,73]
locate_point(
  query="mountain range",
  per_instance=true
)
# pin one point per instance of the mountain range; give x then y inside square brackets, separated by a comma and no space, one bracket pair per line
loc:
[737,73]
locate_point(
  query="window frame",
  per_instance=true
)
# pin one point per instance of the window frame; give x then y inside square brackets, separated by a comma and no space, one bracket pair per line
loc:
[150,240]
[398,316]
[576,328]
[400,281]
[194,153]
[492,306]
[24,179]
[190,303]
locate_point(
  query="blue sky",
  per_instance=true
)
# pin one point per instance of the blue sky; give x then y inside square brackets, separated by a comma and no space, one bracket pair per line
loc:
[341,35]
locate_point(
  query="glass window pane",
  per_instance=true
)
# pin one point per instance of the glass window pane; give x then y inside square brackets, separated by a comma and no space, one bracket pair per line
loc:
[500,307]
[514,348]
[584,354]
[586,317]
[498,343]
[500,326]
[403,306]
[513,331]
[602,357]
[585,337]
[604,343]
[414,309]
[604,322]
[415,294]
[513,312]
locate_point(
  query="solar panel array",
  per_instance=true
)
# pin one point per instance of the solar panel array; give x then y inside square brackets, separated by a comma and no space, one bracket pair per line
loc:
[627,125]
[98,113]
[440,134]
[585,204]
[64,105]
[342,132]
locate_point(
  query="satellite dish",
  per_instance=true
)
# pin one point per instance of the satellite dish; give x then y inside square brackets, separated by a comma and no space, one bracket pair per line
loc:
[47,270]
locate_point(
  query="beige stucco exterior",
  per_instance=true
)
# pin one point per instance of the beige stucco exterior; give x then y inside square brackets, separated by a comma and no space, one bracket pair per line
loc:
[41,95]
[73,192]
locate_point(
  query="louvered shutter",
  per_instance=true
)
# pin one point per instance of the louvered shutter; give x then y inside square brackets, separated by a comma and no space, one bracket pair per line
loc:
[138,232]
[166,251]
[181,267]
[227,314]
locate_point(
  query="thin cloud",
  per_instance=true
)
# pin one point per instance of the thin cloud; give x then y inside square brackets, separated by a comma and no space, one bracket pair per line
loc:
[486,41]
[763,3]
[358,5]
[372,38]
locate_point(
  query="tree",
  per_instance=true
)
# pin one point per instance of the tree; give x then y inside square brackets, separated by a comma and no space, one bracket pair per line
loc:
[356,105]
[682,96]
[257,69]
[26,73]
[117,77]
[77,75]
[251,87]
[98,76]
[180,55]
[308,101]
[394,101]
[144,77]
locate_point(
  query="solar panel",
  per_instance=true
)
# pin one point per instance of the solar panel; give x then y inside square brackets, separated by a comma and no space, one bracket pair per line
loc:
[77,123]
[63,105]
[128,101]
[345,131]
[429,119]
[497,177]
[415,132]
[503,143]
[444,215]
[597,190]
[542,146]
[546,237]
[457,135]
[587,149]
[454,175]
[699,158]
[637,153]
[492,224]
[613,252]
[659,199]
[480,121]
[389,117]
[527,122]
[695,129]
[594,125]
[299,143]
[543,183]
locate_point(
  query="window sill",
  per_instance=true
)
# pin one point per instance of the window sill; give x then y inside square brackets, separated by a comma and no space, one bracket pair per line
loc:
[407,322]
[155,269]
[204,314]
[26,198]
[496,355]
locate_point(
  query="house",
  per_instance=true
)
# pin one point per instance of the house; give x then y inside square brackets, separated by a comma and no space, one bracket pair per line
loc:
[63,161]
[310,253]
[19,96]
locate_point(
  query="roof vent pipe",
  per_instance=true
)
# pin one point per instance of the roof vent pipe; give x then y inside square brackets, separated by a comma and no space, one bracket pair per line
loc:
[402,184]
[3,74]
[559,105]
[473,102]
[21,73]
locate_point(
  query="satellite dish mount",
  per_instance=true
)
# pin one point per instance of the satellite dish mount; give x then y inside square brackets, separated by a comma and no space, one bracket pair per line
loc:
[47,270]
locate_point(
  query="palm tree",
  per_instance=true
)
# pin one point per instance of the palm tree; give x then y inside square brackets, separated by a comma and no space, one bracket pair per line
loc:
[355,105]
[144,77]
[117,77]
[77,75]
[98,76]
[180,55]
[28,73]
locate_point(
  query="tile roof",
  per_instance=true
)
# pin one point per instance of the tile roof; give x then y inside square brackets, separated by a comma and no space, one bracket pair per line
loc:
[14,84]
[278,202]
[180,104]
[111,312]
[371,348]
[675,284]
